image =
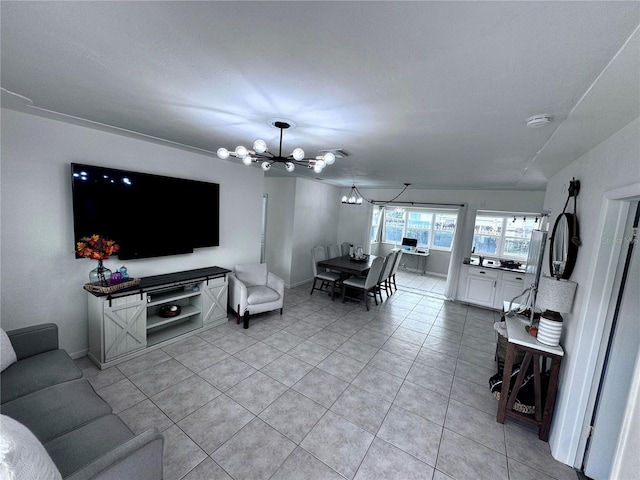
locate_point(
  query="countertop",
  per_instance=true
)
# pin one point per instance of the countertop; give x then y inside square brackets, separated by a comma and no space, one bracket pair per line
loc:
[495,264]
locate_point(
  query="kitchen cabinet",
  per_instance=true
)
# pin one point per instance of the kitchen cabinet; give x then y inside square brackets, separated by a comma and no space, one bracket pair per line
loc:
[489,287]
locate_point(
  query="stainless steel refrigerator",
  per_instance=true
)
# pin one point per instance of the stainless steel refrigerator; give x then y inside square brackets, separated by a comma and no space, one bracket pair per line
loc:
[537,245]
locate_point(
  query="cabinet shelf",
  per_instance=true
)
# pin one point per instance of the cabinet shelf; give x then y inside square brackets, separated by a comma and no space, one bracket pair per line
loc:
[171,296]
[155,321]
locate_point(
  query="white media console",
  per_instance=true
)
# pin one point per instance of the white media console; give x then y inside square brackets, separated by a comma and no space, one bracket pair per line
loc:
[128,323]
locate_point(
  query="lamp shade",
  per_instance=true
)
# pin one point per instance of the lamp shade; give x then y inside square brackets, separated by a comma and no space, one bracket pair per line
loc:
[556,295]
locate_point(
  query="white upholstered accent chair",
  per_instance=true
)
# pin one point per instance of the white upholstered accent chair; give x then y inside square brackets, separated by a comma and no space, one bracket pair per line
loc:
[367,285]
[252,290]
[321,278]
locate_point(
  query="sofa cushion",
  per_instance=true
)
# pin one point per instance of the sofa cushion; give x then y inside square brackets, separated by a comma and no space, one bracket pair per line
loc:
[78,448]
[58,409]
[251,274]
[22,456]
[7,353]
[257,295]
[35,373]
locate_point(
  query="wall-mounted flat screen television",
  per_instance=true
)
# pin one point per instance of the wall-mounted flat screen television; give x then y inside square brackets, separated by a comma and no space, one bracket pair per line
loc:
[147,215]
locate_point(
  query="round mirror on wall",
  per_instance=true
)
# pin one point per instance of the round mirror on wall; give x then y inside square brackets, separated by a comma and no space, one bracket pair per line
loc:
[563,250]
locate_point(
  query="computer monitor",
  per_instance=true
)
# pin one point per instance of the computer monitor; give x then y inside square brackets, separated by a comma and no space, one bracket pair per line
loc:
[409,242]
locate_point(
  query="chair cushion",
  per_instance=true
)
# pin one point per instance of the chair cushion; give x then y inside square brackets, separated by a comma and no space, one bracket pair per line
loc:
[7,353]
[22,456]
[58,409]
[81,446]
[35,373]
[329,276]
[257,295]
[357,282]
[252,274]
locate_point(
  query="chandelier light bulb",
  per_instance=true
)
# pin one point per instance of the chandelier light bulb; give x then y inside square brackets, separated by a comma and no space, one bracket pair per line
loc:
[266,166]
[321,164]
[344,199]
[260,146]
[223,153]
[359,201]
[329,158]
[317,168]
[241,151]
[289,167]
[298,154]
[247,160]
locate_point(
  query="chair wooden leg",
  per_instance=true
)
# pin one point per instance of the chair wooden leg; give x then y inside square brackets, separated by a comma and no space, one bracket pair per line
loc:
[313,287]
[333,291]
[245,324]
[366,300]
[281,311]
[238,315]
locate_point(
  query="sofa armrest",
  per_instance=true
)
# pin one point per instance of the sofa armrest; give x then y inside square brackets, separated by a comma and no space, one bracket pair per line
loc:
[140,458]
[30,341]
[276,283]
[237,294]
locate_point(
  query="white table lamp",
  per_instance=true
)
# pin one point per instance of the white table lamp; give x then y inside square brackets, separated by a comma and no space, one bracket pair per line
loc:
[554,296]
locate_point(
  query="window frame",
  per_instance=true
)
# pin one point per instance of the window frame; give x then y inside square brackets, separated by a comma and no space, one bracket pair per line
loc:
[432,228]
[501,239]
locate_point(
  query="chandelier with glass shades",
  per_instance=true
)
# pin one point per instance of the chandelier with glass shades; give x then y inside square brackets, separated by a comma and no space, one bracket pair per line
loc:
[261,153]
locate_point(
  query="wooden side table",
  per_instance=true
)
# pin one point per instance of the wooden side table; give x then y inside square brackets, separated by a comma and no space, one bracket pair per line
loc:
[535,351]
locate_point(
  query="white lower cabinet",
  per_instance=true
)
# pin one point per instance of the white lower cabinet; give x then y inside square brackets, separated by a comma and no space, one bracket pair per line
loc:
[122,326]
[489,287]
[481,286]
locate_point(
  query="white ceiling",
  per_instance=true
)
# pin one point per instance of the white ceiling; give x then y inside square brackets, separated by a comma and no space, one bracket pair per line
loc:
[431,93]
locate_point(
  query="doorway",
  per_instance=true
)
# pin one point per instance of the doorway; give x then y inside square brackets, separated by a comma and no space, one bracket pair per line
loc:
[619,353]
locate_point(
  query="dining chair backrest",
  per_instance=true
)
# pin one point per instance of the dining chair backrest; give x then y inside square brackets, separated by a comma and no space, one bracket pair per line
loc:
[396,263]
[333,251]
[374,273]
[317,255]
[345,247]
[389,261]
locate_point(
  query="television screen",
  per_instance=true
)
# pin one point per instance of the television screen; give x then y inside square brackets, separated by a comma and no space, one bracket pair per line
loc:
[147,215]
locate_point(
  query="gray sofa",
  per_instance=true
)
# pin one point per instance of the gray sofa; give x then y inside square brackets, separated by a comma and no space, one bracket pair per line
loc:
[44,391]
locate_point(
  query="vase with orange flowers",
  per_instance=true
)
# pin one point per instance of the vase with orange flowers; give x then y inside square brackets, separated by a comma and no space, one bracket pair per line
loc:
[98,248]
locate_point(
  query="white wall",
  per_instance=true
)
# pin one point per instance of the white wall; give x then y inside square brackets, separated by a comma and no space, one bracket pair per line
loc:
[281,195]
[40,279]
[612,164]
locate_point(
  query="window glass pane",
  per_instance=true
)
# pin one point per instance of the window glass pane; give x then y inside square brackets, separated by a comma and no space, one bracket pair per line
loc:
[444,228]
[393,225]
[516,247]
[489,225]
[485,244]
[419,226]
[520,228]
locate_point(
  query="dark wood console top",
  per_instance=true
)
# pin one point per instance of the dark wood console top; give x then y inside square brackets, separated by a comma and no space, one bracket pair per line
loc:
[169,279]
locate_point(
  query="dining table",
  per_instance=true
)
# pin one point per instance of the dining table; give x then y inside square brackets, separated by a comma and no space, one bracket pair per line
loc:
[348,266]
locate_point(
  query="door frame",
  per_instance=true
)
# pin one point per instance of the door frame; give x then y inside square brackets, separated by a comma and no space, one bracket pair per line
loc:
[612,223]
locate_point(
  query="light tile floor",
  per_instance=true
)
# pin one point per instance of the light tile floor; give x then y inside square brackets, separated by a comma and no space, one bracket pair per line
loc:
[331,391]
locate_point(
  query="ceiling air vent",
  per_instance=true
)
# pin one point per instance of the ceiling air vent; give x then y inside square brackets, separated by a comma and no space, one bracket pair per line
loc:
[338,152]
[538,120]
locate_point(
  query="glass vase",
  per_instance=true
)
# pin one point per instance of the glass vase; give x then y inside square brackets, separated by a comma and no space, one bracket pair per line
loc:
[100,275]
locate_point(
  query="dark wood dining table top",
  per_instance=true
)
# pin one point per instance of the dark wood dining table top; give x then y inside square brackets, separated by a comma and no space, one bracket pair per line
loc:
[347,265]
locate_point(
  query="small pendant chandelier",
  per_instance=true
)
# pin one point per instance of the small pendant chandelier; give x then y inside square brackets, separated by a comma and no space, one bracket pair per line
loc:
[353,198]
[260,152]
